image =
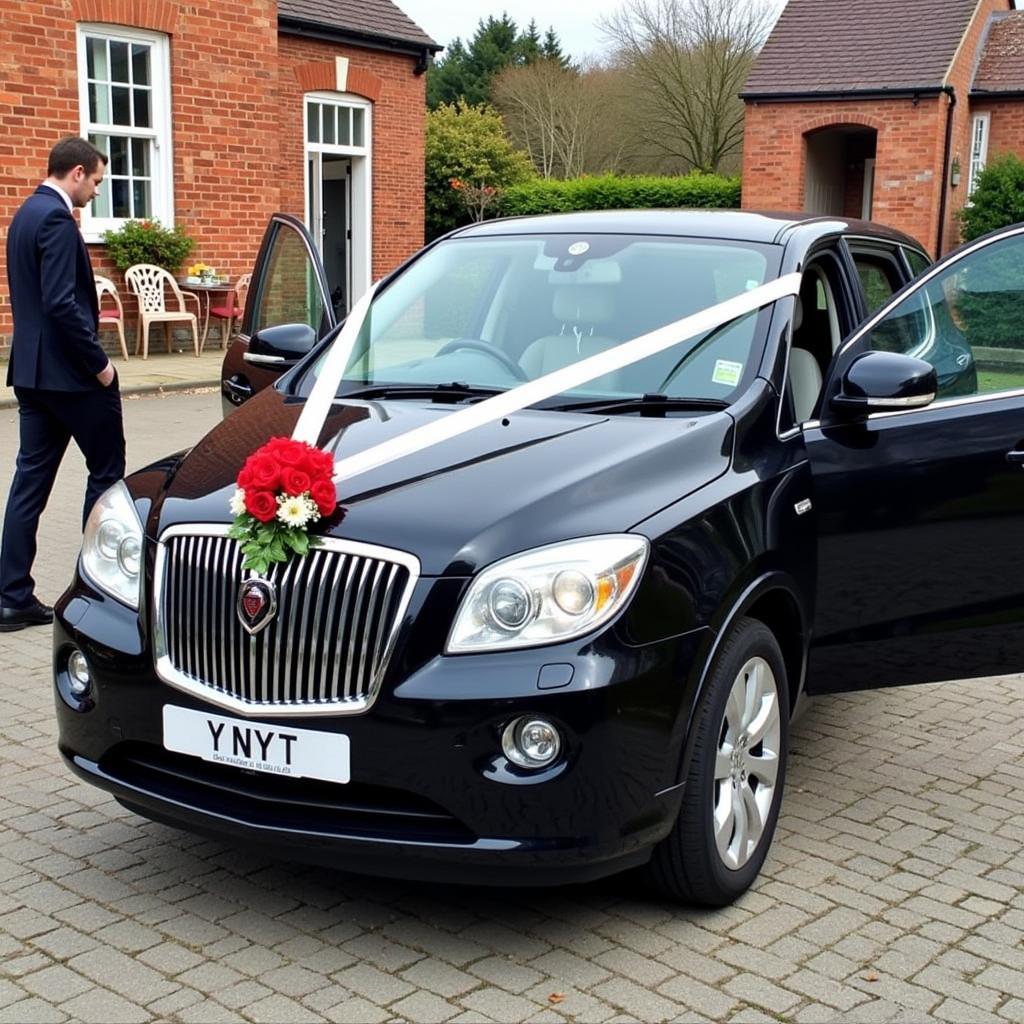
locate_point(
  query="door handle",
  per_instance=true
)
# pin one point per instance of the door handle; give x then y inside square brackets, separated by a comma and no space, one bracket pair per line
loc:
[1017,455]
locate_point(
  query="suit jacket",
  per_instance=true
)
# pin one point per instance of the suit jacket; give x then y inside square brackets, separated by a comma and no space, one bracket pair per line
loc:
[53,299]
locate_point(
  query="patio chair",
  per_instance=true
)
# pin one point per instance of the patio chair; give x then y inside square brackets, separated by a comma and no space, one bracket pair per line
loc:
[111,317]
[148,283]
[231,309]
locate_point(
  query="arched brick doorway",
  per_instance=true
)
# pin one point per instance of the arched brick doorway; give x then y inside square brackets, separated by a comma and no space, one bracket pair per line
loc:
[840,170]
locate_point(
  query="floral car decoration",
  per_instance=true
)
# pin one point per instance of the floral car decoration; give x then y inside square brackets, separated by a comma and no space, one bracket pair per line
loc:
[283,488]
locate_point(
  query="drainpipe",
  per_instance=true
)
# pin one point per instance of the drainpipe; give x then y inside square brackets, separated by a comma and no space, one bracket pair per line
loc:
[951,93]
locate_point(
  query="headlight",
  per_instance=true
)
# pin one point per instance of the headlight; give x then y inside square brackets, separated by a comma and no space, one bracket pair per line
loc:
[112,546]
[549,594]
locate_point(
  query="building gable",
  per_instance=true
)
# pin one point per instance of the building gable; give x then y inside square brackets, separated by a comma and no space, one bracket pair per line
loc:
[1002,64]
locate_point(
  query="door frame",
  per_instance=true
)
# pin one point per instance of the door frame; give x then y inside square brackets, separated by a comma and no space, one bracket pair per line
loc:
[361,191]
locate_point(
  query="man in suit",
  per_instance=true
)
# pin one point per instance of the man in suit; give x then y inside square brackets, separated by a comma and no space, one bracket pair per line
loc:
[65,384]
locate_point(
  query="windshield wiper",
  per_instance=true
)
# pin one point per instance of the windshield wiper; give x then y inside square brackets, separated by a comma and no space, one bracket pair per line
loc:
[453,392]
[646,405]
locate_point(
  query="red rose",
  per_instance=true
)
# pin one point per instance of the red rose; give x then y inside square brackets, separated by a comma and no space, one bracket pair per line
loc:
[245,477]
[291,454]
[266,473]
[326,498]
[261,505]
[294,481]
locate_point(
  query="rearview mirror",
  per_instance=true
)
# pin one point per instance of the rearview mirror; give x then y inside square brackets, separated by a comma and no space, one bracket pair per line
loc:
[281,345]
[885,381]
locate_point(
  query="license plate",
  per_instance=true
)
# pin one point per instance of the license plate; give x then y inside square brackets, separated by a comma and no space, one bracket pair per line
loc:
[275,749]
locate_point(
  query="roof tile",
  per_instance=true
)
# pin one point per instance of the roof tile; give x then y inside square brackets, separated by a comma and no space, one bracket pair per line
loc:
[841,45]
[1002,64]
[379,18]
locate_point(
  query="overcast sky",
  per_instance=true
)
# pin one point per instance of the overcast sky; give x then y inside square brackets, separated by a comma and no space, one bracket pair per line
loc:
[575,21]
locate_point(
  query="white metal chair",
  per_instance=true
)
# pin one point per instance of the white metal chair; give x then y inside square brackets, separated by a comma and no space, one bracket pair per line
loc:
[111,317]
[148,283]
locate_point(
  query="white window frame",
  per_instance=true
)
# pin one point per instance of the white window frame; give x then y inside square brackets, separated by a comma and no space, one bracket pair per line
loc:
[162,180]
[362,183]
[980,125]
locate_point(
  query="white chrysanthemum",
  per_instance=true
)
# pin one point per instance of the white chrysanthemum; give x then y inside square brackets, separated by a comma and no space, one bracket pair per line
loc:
[296,511]
[238,502]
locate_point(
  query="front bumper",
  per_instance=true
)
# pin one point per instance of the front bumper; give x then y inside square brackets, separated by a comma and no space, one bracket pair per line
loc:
[431,795]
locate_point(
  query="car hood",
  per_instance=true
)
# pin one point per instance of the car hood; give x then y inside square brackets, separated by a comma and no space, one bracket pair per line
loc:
[534,478]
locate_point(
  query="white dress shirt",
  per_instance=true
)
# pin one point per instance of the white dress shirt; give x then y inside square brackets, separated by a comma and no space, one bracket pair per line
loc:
[62,194]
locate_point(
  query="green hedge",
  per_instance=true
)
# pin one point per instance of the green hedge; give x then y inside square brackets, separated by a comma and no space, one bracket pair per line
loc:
[609,192]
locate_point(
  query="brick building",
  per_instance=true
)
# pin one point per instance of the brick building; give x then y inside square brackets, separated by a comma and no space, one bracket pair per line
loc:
[217,114]
[883,110]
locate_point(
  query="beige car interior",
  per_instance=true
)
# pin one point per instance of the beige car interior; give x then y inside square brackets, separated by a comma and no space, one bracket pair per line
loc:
[581,309]
[816,337]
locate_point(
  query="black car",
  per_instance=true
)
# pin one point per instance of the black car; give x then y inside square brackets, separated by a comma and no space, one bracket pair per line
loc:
[570,640]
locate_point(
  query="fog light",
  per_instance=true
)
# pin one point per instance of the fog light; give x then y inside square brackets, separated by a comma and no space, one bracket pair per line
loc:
[79,677]
[531,742]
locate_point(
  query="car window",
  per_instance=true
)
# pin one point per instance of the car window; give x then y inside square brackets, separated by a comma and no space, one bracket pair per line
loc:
[919,263]
[499,310]
[880,278]
[289,289]
[966,321]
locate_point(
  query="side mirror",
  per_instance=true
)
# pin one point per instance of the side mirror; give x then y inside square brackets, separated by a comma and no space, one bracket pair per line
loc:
[281,346]
[885,382]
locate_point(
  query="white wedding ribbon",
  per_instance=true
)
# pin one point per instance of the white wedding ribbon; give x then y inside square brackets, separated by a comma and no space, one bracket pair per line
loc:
[628,352]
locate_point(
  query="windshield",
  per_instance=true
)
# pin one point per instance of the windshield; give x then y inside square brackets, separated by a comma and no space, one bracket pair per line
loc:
[491,313]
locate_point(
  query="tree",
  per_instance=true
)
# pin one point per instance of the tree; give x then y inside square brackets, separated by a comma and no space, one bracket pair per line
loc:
[467,72]
[688,60]
[467,144]
[553,113]
[997,199]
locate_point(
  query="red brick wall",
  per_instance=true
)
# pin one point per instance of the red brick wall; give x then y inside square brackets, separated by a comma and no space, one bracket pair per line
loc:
[237,121]
[909,160]
[1006,128]
[399,118]
[909,148]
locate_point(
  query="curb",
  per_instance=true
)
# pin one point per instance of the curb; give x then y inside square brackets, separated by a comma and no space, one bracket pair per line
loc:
[143,389]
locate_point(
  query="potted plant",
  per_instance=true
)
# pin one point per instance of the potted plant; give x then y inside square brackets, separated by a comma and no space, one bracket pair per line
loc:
[148,241]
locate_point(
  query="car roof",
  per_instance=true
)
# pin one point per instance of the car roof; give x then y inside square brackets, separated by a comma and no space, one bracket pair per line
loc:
[766,227]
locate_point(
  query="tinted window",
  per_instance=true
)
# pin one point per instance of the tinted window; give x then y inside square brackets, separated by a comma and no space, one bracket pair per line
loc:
[289,291]
[919,263]
[966,321]
[880,278]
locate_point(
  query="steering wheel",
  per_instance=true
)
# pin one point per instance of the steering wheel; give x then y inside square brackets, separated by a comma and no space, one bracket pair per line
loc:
[476,345]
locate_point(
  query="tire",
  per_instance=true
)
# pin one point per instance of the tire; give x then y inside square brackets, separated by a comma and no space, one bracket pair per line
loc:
[718,843]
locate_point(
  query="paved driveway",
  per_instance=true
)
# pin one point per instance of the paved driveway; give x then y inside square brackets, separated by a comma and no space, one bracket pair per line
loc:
[894,891]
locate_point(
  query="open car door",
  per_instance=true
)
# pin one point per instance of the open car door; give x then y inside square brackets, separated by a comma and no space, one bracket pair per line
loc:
[920,500]
[287,312]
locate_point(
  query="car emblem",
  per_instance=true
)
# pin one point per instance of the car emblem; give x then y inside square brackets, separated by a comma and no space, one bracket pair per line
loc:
[257,604]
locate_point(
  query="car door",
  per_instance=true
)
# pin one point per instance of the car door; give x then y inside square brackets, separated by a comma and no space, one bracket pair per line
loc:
[288,290]
[920,559]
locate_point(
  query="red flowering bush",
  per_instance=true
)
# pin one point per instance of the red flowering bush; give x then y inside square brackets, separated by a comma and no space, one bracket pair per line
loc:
[282,488]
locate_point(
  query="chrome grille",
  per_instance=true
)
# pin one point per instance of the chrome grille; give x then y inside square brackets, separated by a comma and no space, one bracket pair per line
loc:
[324,651]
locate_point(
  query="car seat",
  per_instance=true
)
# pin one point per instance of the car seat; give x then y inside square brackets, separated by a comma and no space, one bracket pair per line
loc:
[804,372]
[580,308]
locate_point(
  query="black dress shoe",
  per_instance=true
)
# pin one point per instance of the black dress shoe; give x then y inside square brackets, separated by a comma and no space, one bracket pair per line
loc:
[36,614]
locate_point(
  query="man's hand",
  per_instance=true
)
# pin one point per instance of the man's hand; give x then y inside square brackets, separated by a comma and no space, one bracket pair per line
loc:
[106,375]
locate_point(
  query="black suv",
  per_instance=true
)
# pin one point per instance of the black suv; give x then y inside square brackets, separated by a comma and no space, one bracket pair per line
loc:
[570,640]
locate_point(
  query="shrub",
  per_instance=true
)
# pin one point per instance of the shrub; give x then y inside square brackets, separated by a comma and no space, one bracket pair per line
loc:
[466,144]
[148,241]
[997,199]
[609,192]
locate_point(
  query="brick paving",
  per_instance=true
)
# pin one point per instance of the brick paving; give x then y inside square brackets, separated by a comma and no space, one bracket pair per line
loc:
[894,890]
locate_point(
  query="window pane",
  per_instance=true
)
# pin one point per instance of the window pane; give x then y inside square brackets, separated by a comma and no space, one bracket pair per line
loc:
[313,122]
[101,204]
[118,154]
[121,109]
[140,64]
[99,103]
[119,197]
[289,292]
[96,58]
[140,158]
[329,117]
[966,322]
[879,278]
[344,133]
[357,127]
[142,118]
[918,263]
[141,206]
[119,62]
